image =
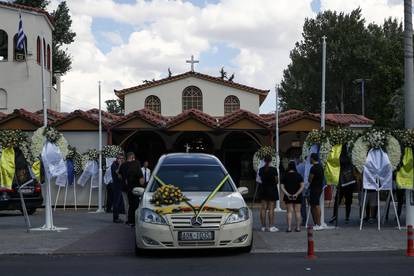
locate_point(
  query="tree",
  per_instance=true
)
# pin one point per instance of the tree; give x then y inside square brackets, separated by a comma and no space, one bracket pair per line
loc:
[354,51]
[62,34]
[115,106]
[33,3]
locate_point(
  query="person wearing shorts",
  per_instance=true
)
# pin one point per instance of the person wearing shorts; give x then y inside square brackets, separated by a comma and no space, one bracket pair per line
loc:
[316,177]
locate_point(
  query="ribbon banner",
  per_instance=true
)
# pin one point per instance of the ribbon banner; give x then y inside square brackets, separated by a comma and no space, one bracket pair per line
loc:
[333,165]
[198,211]
[54,164]
[91,171]
[71,171]
[108,174]
[405,174]
[7,167]
[377,171]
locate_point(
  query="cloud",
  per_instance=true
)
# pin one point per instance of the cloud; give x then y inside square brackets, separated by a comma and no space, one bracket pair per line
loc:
[166,33]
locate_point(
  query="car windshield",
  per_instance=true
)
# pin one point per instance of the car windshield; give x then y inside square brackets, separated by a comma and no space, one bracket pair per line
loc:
[192,178]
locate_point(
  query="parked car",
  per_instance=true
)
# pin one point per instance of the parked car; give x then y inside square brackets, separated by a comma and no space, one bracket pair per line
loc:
[32,193]
[225,222]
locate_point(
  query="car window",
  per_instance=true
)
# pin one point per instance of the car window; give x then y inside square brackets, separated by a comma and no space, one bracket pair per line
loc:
[190,178]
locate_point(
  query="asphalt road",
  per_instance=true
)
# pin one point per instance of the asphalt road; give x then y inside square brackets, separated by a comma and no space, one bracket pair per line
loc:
[210,263]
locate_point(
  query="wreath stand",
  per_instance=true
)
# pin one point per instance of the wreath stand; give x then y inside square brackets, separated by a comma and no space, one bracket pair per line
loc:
[379,208]
[90,194]
[66,195]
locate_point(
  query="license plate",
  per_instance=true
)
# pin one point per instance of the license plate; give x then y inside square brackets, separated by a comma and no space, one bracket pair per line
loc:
[196,236]
[26,191]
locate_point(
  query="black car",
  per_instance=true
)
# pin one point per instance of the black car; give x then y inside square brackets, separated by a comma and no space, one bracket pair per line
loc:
[31,189]
[32,194]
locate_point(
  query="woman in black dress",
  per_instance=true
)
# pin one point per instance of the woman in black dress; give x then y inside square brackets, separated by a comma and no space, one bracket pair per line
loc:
[268,194]
[292,187]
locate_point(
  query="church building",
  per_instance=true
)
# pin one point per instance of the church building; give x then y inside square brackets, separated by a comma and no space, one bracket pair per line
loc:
[21,70]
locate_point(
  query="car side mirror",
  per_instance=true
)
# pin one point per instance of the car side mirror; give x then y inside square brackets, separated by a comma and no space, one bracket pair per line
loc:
[243,190]
[138,191]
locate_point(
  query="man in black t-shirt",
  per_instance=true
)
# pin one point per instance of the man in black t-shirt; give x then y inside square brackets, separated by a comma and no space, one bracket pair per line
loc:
[316,177]
[132,177]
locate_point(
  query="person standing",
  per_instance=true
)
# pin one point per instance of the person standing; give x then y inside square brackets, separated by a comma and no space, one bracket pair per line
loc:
[292,187]
[146,172]
[268,194]
[316,176]
[346,186]
[116,188]
[301,170]
[132,177]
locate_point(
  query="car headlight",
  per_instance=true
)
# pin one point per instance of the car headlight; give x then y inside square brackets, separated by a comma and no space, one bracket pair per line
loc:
[241,215]
[149,216]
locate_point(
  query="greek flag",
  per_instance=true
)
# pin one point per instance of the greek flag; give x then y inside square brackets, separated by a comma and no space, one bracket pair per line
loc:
[20,35]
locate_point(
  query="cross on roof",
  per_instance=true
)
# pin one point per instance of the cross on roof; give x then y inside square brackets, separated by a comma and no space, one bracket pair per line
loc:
[192,61]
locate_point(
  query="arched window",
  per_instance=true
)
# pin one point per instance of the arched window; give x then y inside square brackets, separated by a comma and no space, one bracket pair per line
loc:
[19,54]
[48,57]
[192,98]
[153,103]
[231,104]
[38,50]
[3,99]
[44,52]
[4,46]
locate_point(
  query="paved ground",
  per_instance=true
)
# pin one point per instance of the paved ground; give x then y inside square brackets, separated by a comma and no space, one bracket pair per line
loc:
[211,263]
[91,233]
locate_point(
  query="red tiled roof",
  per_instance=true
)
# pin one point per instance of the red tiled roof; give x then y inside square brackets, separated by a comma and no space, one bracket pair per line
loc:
[106,116]
[290,116]
[52,115]
[2,115]
[262,93]
[241,114]
[28,8]
[193,113]
[30,116]
[147,115]
[81,114]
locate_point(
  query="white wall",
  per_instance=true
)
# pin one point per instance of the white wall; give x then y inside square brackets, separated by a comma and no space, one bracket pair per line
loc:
[25,91]
[84,140]
[213,97]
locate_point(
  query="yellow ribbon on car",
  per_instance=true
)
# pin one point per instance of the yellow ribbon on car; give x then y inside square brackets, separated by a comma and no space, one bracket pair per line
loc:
[406,173]
[333,165]
[209,197]
[7,167]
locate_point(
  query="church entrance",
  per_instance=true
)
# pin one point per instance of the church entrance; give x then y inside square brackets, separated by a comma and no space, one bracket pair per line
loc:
[147,146]
[194,142]
[237,150]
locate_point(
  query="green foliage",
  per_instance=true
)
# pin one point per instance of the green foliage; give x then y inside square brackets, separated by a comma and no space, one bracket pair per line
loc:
[354,51]
[115,106]
[62,34]
[33,3]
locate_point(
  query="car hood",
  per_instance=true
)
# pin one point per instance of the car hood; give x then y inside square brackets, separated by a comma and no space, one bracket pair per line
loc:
[222,200]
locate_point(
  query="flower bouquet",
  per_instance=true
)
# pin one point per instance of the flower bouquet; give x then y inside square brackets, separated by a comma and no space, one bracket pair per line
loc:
[261,154]
[111,151]
[76,157]
[43,134]
[16,139]
[167,195]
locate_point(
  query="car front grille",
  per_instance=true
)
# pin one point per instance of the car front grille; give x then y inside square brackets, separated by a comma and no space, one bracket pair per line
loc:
[196,243]
[183,222]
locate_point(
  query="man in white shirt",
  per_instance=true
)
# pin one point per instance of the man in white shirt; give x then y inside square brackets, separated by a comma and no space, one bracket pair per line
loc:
[146,172]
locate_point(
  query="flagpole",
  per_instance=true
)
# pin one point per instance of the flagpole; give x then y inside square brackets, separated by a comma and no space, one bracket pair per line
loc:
[277,209]
[100,209]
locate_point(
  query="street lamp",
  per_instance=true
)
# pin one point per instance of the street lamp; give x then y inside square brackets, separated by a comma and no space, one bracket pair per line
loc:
[362,82]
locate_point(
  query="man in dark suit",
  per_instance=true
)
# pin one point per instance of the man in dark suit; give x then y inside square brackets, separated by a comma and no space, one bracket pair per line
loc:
[117,188]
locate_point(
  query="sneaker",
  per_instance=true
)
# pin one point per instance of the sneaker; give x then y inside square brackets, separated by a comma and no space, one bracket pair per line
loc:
[263,229]
[273,229]
[332,220]
[317,228]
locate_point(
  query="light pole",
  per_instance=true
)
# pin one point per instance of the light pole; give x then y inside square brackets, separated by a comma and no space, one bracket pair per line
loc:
[408,91]
[100,209]
[362,82]
[278,208]
[322,199]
